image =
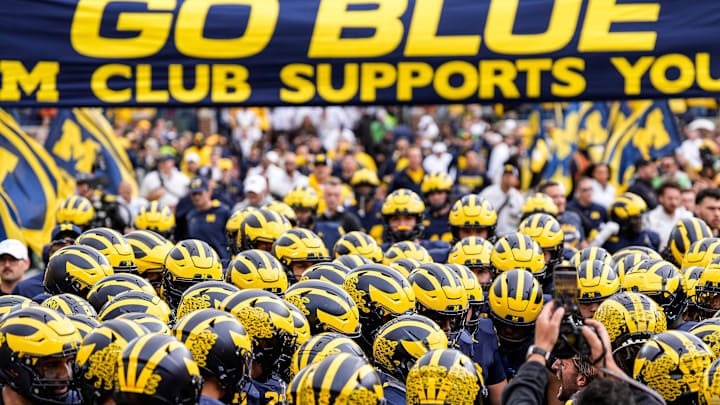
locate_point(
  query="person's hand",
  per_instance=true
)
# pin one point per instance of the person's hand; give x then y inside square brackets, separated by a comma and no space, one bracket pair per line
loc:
[547,326]
[600,347]
[612,227]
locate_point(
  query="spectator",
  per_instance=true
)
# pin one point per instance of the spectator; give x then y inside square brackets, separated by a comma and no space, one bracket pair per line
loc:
[320,174]
[212,170]
[334,210]
[14,262]
[574,374]
[664,217]
[670,171]
[166,184]
[131,204]
[687,197]
[707,208]
[228,189]
[603,192]
[499,155]
[506,200]
[471,175]
[689,152]
[206,221]
[397,161]
[348,167]
[412,176]
[256,193]
[570,221]
[439,160]
[291,177]
[646,171]
[593,215]
[192,164]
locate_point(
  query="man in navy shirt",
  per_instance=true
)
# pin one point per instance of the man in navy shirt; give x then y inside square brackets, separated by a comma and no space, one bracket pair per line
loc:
[570,222]
[593,215]
[206,221]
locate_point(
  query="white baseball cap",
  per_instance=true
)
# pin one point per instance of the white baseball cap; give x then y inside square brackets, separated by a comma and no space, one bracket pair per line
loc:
[192,157]
[14,248]
[702,123]
[255,184]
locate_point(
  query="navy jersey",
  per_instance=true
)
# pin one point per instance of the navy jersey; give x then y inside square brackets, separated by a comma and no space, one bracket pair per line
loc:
[572,227]
[437,227]
[486,352]
[329,232]
[645,238]
[476,181]
[269,393]
[594,217]
[513,357]
[393,390]
[229,193]
[209,226]
[204,400]
[31,286]
[371,221]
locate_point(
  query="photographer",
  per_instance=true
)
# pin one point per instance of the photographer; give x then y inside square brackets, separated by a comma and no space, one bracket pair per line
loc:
[531,380]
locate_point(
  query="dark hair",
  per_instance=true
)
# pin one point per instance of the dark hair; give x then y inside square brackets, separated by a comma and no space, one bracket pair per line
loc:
[602,391]
[668,184]
[544,186]
[713,193]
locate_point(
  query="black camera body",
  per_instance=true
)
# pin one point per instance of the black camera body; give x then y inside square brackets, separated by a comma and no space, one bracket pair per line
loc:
[571,341]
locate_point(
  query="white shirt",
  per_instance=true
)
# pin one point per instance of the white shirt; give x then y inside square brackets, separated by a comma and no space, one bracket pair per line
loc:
[273,174]
[435,163]
[285,183]
[603,195]
[176,186]
[657,220]
[690,152]
[133,208]
[499,155]
[508,216]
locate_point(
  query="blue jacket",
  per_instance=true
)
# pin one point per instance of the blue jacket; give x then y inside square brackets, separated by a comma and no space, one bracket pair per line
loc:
[31,286]
[645,238]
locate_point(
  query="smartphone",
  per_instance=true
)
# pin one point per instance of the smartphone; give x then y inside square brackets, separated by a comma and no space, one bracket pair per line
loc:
[566,289]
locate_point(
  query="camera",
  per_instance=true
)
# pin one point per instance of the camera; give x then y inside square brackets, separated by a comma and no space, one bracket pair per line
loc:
[571,341]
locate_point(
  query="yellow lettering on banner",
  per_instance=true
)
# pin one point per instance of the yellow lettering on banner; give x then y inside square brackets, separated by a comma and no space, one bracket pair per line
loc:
[568,71]
[294,76]
[189,37]
[145,93]
[99,86]
[702,69]
[658,73]
[601,14]
[333,16]
[469,80]
[350,83]
[411,75]
[632,73]
[229,84]
[534,68]
[499,35]
[375,76]
[153,28]
[500,74]
[197,93]
[422,37]
[43,78]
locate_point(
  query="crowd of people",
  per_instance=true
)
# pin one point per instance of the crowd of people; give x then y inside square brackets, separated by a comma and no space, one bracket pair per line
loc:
[348,255]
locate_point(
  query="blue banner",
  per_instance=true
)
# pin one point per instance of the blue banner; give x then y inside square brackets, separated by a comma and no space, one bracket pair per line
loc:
[78,136]
[291,52]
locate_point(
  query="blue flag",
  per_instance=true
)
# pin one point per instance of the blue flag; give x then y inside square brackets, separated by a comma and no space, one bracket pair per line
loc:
[78,136]
[538,152]
[31,186]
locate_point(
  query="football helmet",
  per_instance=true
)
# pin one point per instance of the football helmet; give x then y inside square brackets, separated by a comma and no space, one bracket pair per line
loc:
[644,250]
[321,346]
[360,243]
[475,216]
[232,227]
[709,332]
[156,217]
[445,376]
[189,262]
[28,338]
[352,261]
[475,253]
[74,270]
[97,355]
[707,290]
[403,202]
[596,281]
[343,379]
[518,251]
[261,228]
[626,211]
[405,266]
[711,384]
[257,269]
[283,209]
[305,202]
[151,322]
[661,281]
[592,253]
[630,319]
[440,295]
[406,250]
[70,304]
[327,307]
[402,341]
[271,327]
[302,326]
[83,324]
[138,302]
[150,251]
[113,245]
[515,302]
[538,203]
[672,363]
[474,292]
[702,253]
[7,302]
[692,276]
[297,250]
[207,294]
[114,285]
[220,346]
[685,232]
[436,182]
[331,272]
[627,262]
[157,369]
[76,210]
[381,294]
[546,231]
